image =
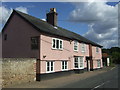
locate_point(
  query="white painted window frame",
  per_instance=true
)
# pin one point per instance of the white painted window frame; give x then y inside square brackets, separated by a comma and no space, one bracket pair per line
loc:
[98,62]
[64,65]
[60,40]
[83,46]
[79,58]
[50,67]
[76,45]
[97,49]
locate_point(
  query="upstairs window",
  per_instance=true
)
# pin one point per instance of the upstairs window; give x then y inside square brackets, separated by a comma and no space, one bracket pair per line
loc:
[57,43]
[83,47]
[75,46]
[5,37]
[97,49]
[34,43]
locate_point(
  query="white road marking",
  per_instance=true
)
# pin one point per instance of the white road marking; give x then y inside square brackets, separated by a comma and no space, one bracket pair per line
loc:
[112,68]
[100,85]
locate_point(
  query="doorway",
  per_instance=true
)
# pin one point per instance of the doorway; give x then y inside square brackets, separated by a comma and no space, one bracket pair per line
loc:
[88,65]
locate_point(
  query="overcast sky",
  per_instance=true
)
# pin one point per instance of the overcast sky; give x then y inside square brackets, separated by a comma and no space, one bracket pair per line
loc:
[97,21]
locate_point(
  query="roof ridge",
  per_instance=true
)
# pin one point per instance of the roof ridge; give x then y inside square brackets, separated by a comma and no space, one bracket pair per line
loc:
[28,14]
[41,24]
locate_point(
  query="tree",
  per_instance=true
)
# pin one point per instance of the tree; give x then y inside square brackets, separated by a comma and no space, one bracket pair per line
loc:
[114,54]
[116,57]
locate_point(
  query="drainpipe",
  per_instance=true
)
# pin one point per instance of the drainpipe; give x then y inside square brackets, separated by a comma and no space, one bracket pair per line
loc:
[91,60]
[38,77]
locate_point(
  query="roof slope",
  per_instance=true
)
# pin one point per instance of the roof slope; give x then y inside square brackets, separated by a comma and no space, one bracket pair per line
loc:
[43,26]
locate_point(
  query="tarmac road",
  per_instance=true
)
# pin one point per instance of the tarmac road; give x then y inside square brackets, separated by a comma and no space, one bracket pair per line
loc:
[104,80]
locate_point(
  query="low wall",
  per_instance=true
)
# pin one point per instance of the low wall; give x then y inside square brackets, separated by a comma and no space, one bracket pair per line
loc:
[18,70]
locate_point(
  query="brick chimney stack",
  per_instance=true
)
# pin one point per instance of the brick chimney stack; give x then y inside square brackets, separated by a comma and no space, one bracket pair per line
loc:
[51,17]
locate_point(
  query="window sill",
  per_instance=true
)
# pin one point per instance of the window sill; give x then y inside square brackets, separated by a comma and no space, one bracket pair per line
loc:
[57,49]
[83,51]
[76,51]
[50,71]
[79,68]
[64,69]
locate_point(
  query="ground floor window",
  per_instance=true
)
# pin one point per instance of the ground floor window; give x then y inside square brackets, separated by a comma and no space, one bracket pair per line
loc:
[64,65]
[49,66]
[78,62]
[98,63]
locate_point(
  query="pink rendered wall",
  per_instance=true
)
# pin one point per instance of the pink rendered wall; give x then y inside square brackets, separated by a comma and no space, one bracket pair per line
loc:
[18,43]
[96,56]
[57,55]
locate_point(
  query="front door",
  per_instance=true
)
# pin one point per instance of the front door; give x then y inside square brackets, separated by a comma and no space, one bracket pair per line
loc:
[88,65]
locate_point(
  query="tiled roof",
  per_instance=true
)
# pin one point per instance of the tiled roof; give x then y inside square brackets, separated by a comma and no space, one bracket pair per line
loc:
[43,26]
[105,55]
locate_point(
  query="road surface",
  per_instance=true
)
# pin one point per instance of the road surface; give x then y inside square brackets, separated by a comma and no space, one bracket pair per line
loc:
[104,80]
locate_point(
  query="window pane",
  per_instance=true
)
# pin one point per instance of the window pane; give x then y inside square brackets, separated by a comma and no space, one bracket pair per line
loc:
[62,66]
[75,45]
[81,62]
[5,37]
[53,43]
[60,44]
[97,49]
[76,59]
[48,69]
[48,64]
[52,64]
[51,68]
[98,63]
[34,43]
[62,62]
[65,66]
[76,65]
[83,47]
[66,63]
[76,62]
[57,44]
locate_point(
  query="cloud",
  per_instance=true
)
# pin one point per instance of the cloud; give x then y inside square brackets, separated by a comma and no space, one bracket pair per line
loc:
[6,12]
[22,9]
[44,19]
[102,20]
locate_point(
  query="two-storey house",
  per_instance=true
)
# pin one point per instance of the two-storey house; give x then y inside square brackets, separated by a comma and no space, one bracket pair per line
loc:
[56,50]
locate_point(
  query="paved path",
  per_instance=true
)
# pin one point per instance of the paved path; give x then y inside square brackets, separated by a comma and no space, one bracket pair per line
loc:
[61,81]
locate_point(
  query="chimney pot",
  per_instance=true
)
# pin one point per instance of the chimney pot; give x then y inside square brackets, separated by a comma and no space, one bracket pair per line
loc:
[51,17]
[53,9]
